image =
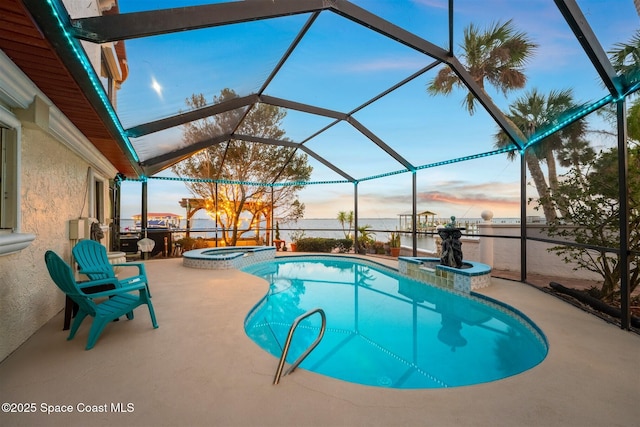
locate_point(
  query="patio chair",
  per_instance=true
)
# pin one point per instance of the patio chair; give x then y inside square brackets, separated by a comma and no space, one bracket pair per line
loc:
[116,302]
[93,262]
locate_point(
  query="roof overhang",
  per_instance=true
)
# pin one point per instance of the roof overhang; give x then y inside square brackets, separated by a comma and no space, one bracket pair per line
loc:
[42,53]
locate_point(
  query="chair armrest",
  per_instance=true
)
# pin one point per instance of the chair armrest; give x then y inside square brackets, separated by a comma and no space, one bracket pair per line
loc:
[85,272]
[132,279]
[138,265]
[108,281]
[118,291]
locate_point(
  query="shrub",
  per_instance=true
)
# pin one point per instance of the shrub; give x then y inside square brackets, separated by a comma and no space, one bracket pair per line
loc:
[314,244]
[200,243]
[322,244]
[187,243]
[344,245]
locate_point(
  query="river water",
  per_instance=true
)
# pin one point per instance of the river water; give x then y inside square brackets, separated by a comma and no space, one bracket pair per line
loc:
[331,228]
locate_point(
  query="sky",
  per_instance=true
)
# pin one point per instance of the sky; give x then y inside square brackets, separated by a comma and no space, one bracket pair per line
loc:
[340,66]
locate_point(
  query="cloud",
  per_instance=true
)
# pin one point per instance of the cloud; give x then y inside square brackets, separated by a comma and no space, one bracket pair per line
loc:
[461,193]
[451,197]
[478,199]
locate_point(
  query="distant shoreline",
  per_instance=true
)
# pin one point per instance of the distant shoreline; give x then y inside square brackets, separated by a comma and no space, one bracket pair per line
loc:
[318,227]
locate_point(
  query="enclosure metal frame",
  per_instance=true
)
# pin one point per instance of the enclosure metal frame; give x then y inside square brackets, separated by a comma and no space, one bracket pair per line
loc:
[65,33]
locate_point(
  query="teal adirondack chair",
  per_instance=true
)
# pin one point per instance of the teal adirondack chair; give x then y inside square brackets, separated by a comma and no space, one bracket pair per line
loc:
[123,299]
[93,261]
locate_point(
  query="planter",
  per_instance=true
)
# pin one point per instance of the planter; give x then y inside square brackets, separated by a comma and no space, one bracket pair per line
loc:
[395,252]
[294,246]
[278,244]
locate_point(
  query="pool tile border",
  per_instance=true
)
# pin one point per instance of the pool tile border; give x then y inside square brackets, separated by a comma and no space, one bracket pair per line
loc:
[429,270]
[229,257]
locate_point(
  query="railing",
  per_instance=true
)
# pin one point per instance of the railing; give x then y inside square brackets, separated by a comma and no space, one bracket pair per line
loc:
[287,343]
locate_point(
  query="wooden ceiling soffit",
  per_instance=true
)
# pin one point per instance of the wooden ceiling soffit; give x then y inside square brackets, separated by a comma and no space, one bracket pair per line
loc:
[33,40]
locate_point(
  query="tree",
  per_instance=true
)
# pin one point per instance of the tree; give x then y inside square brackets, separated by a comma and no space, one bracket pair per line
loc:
[633,121]
[535,110]
[625,58]
[346,219]
[496,55]
[592,205]
[366,238]
[590,193]
[239,164]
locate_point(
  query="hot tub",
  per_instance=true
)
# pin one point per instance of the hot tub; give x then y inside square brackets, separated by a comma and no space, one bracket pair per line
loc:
[227,257]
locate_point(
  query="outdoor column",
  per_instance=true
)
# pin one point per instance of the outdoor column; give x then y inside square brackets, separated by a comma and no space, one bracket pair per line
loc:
[355,217]
[143,217]
[523,215]
[271,222]
[216,213]
[143,214]
[414,214]
[115,214]
[486,243]
[624,216]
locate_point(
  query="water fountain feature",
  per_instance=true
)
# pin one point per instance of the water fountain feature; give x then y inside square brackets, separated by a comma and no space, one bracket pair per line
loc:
[451,246]
[450,270]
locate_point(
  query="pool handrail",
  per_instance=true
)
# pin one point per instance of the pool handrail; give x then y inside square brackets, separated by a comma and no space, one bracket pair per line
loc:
[287,343]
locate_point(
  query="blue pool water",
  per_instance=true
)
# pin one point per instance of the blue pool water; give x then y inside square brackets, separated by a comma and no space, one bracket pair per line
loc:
[387,330]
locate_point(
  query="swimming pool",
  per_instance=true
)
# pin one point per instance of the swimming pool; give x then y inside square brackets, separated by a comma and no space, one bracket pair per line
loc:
[387,330]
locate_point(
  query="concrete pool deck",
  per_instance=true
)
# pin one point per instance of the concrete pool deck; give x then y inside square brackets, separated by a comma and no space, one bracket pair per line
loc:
[200,369]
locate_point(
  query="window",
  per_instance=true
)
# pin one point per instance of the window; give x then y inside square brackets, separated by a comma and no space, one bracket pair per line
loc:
[3,179]
[110,71]
[99,201]
[96,196]
[8,179]
[11,240]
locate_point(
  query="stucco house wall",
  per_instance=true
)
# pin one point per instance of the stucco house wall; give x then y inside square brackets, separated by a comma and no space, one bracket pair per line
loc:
[53,183]
[59,168]
[505,254]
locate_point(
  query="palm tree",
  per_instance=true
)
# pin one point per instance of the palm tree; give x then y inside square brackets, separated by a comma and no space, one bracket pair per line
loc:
[625,57]
[345,218]
[533,111]
[366,238]
[575,153]
[539,111]
[496,55]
